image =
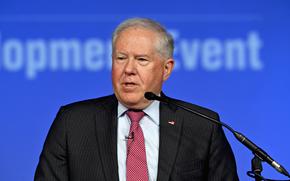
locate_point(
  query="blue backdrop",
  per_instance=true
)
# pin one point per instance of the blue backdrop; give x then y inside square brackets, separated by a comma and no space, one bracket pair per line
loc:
[231,56]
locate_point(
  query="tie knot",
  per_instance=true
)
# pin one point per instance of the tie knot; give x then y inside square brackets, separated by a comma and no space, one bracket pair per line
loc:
[135,116]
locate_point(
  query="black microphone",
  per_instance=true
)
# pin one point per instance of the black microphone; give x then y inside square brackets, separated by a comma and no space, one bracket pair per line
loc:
[239,136]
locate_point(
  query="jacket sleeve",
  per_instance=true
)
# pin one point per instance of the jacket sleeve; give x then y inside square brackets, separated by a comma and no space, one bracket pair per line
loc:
[53,164]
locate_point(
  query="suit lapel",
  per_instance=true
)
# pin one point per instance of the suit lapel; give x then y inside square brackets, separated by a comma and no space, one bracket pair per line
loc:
[170,130]
[106,132]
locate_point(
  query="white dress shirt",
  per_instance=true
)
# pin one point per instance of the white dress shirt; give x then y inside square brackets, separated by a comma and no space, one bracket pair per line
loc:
[150,127]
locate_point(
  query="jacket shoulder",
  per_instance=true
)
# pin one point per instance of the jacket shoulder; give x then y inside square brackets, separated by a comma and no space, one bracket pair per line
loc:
[197,108]
[89,104]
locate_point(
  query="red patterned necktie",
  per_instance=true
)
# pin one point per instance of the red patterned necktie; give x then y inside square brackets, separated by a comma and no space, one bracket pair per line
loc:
[136,155]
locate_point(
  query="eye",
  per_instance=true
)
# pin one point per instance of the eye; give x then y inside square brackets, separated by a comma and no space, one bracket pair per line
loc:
[120,58]
[142,59]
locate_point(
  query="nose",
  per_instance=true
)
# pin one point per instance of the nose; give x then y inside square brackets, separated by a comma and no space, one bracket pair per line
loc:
[130,67]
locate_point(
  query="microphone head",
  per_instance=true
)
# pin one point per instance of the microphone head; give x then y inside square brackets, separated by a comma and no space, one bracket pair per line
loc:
[150,96]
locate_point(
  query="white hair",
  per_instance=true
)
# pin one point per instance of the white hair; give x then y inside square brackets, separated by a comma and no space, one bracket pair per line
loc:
[165,45]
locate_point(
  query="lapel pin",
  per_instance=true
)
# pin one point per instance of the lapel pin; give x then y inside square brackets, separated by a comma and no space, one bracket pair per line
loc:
[171,122]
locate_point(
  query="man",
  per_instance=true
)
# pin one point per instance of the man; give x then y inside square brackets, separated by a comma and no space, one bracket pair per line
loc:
[127,137]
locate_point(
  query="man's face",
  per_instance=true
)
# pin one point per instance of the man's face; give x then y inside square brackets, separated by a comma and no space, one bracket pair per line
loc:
[137,67]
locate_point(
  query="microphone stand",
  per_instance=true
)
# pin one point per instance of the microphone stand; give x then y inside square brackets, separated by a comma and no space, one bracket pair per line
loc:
[259,154]
[257,168]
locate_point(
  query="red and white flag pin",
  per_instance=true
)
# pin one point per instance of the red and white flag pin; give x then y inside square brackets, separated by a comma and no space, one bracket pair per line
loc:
[171,122]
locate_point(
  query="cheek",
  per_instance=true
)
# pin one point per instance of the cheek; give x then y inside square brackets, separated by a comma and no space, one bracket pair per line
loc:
[152,77]
[115,80]
[116,73]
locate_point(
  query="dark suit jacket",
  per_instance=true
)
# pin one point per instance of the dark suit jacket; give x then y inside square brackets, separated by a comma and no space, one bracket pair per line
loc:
[82,145]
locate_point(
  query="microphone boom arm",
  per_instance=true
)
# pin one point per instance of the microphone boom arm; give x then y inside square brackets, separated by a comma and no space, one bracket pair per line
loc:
[239,136]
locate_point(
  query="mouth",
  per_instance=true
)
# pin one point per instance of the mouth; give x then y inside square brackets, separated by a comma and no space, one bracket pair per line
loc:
[129,85]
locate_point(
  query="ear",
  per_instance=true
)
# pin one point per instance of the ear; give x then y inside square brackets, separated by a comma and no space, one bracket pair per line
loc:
[168,67]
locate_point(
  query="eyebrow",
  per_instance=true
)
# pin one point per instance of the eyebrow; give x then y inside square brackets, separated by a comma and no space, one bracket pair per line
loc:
[142,55]
[137,55]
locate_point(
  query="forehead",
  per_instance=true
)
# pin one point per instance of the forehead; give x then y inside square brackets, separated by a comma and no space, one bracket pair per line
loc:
[136,38]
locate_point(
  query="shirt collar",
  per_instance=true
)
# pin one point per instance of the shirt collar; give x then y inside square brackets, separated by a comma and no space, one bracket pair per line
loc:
[121,109]
[152,111]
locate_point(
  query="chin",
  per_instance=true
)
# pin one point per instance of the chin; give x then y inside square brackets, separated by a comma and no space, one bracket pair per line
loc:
[135,103]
